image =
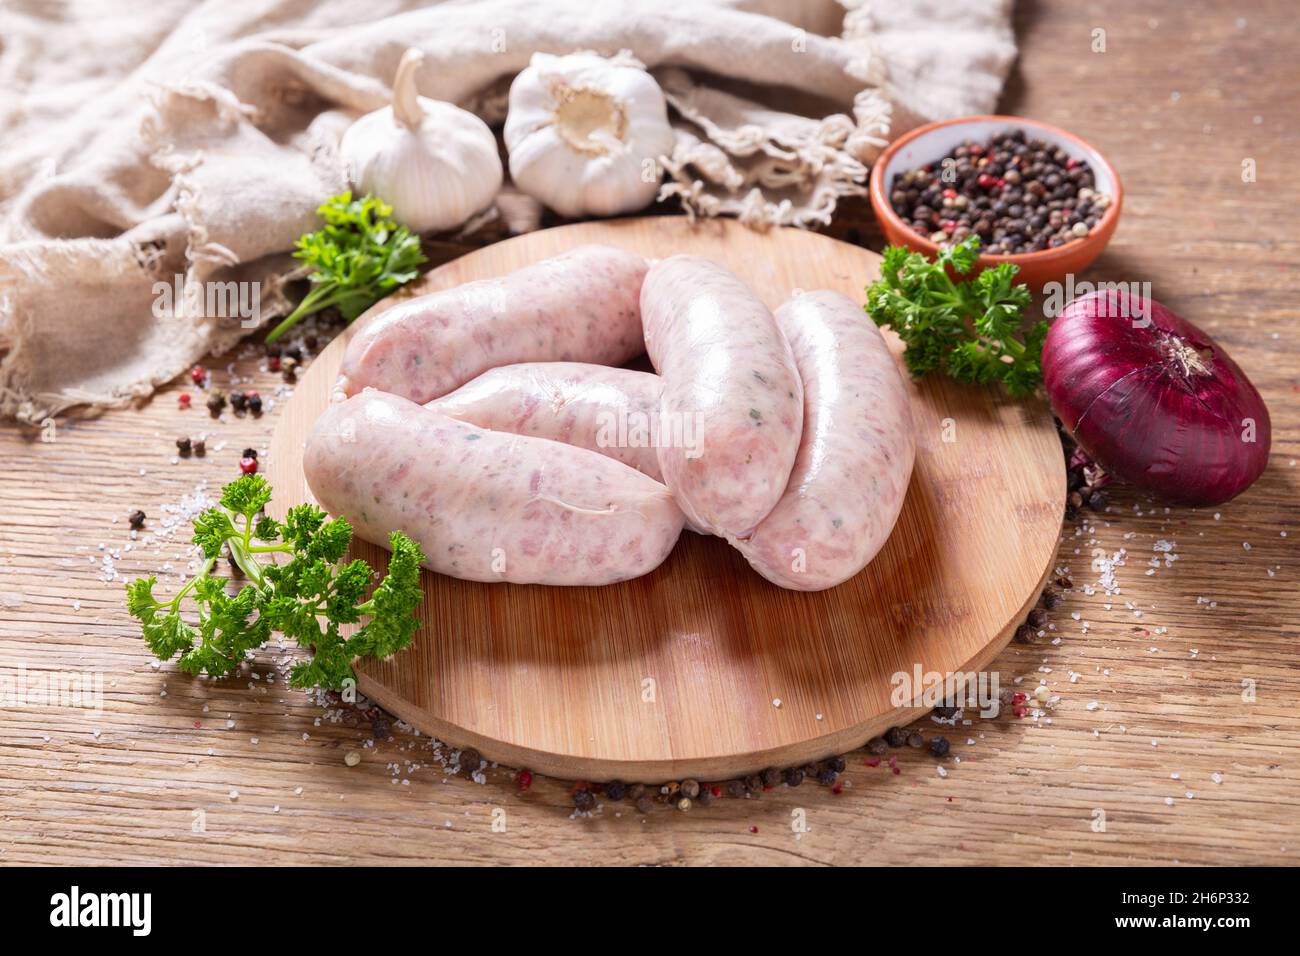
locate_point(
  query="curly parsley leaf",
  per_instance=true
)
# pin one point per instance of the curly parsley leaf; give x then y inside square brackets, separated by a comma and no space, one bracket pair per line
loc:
[970,329]
[357,257]
[307,598]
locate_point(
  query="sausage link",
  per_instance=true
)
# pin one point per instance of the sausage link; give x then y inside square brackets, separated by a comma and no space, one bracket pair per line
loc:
[856,456]
[582,306]
[729,378]
[612,411]
[487,506]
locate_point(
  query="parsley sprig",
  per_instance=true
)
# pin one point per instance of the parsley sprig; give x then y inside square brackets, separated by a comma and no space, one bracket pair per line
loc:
[969,328]
[307,598]
[360,255]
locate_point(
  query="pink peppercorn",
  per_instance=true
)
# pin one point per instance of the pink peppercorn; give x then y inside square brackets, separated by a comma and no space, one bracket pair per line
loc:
[987,181]
[524,779]
[197,374]
[183,399]
[248,466]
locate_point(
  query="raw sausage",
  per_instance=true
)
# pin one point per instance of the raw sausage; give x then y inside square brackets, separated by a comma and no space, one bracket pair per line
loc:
[613,411]
[582,306]
[856,455]
[487,506]
[730,379]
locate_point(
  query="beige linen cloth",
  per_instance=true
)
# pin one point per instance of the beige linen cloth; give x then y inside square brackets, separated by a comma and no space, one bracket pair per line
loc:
[140,141]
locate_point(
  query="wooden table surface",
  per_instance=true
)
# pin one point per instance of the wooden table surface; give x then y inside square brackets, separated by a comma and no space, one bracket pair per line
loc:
[1174,739]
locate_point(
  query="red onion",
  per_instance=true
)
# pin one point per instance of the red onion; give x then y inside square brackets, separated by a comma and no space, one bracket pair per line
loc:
[1154,400]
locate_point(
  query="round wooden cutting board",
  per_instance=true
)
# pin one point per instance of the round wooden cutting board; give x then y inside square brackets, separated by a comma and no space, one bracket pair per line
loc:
[703,668]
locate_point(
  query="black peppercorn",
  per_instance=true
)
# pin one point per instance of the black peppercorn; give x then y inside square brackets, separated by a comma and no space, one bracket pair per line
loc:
[946,711]
[255,403]
[690,788]
[238,400]
[380,729]
[877,746]
[136,519]
[1097,501]
[939,746]
[1064,582]
[753,783]
[771,777]
[584,800]
[249,453]
[793,777]
[199,446]
[1037,617]
[644,805]
[636,791]
[615,790]
[216,403]
[836,763]
[469,759]
[827,776]
[916,739]
[895,736]
[1026,634]
[183,446]
[736,788]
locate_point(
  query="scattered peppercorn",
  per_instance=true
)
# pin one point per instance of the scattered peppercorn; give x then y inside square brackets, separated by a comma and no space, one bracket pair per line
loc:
[310,341]
[946,711]
[216,403]
[291,372]
[183,399]
[197,374]
[183,446]
[248,466]
[1097,501]
[273,363]
[939,746]
[916,739]
[249,453]
[200,447]
[1064,582]
[524,779]
[136,519]
[469,759]
[705,798]
[827,776]
[1049,599]
[877,746]
[690,788]
[645,805]
[837,764]
[735,788]
[754,783]
[771,777]
[637,791]
[584,799]
[793,777]
[895,736]
[238,401]
[380,729]
[293,352]
[615,790]
[255,403]
[684,804]
[1026,634]
[1037,617]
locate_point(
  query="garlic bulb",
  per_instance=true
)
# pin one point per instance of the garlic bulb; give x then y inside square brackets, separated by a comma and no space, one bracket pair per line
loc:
[585,133]
[434,163]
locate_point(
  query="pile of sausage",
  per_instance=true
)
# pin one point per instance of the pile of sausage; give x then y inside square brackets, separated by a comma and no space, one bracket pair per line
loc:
[491,423]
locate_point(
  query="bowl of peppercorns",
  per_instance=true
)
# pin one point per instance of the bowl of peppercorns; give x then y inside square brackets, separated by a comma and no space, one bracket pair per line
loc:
[1036,196]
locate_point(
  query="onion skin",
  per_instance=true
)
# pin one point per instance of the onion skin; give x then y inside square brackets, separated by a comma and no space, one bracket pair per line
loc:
[1162,407]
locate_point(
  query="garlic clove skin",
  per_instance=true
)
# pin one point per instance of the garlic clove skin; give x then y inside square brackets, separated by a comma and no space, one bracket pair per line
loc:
[434,163]
[585,133]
